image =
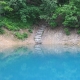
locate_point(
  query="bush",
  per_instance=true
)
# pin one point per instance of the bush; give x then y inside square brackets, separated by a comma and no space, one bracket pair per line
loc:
[71,21]
[14,24]
[5,7]
[1,31]
[33,10]
[78,32]
[1,25]
[67,31]
[25,35]
[70,14]
[11,27]
[53,24]
[25,9]
[48,7]
[21,36]
[30,31]
[9,24]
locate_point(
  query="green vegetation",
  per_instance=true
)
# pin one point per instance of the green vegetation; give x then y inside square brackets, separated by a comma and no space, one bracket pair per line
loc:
[22,14]
[67,31]
[30,31]
[13,24]
[78,32]
[2,31]
[21,36]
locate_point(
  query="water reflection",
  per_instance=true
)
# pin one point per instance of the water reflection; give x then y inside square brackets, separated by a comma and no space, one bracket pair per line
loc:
[44,62]
[42,50]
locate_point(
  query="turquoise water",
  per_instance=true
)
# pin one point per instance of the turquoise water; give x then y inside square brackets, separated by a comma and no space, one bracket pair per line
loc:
[43,63]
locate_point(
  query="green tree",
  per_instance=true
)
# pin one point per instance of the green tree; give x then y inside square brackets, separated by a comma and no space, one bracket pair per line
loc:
[70,14]
[5,7]
[25,9]
[47,7]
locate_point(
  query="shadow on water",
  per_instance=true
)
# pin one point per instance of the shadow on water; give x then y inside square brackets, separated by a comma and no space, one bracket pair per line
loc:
[40,62]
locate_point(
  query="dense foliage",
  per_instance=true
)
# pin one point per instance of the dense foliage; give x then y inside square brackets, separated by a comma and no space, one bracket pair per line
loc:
[70,14]
[30,11]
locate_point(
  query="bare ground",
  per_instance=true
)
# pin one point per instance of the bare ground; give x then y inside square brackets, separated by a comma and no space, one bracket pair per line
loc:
[8,40]
[58,36]
[50,36]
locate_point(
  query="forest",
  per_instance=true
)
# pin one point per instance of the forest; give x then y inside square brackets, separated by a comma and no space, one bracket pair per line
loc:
[22,14]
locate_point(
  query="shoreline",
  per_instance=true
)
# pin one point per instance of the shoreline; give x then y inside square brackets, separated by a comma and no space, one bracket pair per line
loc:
[50,37]
[7,43]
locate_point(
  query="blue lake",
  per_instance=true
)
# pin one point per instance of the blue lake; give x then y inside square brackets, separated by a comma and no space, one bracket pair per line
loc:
[40,63]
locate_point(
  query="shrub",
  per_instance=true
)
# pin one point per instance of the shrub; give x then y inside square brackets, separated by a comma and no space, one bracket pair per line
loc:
[70,14]
[30,31]
[11,27]
[47,7]
[1,25]
[5,7]
[25,9]
[9,24]
[71,21]
[53,24]
[78,32]
[25,35]
[14,24]
[2,31]
[67,31]
[21,36]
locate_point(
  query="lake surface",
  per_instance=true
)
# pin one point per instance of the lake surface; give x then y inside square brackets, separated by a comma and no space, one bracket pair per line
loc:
[40,63]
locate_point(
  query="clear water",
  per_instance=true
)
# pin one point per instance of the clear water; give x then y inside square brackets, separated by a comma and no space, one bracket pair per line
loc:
[46,63]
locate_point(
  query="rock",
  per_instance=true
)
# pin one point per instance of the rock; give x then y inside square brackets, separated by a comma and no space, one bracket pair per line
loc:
[38,39]
[41,30]
[38,35]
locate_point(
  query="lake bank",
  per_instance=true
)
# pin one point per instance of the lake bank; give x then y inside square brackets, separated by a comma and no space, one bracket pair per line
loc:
[55,36]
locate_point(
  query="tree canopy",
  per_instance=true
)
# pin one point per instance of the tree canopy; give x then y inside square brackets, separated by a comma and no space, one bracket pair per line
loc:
[49,10]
